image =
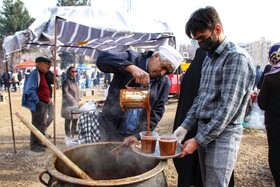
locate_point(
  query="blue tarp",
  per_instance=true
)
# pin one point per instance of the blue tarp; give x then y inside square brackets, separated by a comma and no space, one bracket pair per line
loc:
[83,67]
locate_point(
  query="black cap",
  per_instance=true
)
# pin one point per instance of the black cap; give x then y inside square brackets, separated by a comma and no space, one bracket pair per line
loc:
[42,59]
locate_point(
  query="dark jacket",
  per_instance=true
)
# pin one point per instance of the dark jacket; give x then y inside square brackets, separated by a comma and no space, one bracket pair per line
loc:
[269,100]
[188,168]
[112,115]
[269,97]
[266,70]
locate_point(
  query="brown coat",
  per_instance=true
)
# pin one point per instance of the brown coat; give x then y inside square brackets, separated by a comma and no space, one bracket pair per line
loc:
[70,97]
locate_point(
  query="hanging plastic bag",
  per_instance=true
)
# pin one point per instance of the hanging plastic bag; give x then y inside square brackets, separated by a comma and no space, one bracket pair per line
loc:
[70,142]
[90,105]
[256,118]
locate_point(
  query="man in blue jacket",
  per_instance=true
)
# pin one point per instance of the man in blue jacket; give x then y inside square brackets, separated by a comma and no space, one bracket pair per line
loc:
[37,98]
[145,69]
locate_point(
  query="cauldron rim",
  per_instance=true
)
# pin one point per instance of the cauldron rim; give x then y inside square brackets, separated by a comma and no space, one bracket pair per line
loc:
[116,182]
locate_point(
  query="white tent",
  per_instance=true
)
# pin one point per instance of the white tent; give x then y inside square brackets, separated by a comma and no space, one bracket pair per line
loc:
[88,30]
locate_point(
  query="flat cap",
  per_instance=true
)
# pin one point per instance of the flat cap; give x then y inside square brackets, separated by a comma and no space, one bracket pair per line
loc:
[42,59]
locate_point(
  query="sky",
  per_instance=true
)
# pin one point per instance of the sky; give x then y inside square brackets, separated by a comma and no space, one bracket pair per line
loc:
[243,20]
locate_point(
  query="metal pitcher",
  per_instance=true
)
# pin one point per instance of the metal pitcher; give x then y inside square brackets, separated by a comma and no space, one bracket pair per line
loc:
[134,97]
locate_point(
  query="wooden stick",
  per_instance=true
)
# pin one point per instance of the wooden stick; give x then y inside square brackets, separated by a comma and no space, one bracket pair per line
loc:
[117,149]
[54,149]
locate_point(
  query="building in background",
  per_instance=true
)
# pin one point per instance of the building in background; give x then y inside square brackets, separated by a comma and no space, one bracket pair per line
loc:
[258,51]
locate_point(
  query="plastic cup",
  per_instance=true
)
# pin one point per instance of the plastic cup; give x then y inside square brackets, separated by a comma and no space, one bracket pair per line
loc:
[167,145]
[148,142]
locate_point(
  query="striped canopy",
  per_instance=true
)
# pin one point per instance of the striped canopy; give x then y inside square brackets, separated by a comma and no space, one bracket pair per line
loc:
[88,31]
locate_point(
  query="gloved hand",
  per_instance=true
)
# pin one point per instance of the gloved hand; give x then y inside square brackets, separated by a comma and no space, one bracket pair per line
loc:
[180,132]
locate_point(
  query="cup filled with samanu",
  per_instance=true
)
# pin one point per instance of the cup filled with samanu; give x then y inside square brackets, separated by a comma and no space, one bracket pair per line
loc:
[148,141]
[167,144]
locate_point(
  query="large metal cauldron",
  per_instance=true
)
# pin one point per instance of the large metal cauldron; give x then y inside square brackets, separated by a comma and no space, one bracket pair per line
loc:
[106,169]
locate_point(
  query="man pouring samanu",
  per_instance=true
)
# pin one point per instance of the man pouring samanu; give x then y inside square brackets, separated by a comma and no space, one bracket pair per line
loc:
[145,69]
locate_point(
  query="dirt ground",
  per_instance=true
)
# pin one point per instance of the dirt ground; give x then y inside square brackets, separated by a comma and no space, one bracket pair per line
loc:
[21,167]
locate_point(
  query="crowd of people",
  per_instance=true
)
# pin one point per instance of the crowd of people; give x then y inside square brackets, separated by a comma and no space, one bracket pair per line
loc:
[85,79]
[11,80]
[214,96]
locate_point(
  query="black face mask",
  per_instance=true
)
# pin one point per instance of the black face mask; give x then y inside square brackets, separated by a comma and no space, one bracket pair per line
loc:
[209,45]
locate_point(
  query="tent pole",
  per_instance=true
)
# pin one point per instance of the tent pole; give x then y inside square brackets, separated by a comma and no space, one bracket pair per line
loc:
[177,74]
[10,105]
[54,83]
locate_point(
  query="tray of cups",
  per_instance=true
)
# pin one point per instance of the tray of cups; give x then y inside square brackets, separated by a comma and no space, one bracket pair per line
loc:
[160,147]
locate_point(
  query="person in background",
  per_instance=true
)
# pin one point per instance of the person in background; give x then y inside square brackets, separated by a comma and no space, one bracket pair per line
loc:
[3,76]
[98,76]
[63,76]
[92,78]
[227,78]
[87,80]
[78,77]
[19,77]
[26,74]
[143,69]
[258,76]
[14,80]
[70,97]
[1,82]
[37,97]
[107,79]
[6,78]
[267,68]
[269,100]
